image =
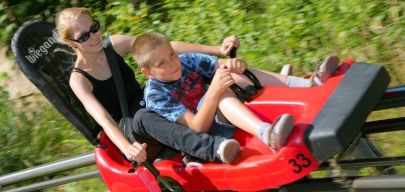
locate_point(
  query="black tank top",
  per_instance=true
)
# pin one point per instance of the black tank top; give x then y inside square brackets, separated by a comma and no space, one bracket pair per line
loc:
[106,93]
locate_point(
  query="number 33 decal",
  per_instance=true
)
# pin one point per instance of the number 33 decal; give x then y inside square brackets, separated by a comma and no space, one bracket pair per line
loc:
[299,163]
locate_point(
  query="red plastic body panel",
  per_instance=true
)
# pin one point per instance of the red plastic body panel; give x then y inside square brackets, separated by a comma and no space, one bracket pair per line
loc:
[256,168]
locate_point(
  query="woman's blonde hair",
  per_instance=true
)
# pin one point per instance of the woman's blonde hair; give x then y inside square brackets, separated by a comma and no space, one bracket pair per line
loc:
[65,18]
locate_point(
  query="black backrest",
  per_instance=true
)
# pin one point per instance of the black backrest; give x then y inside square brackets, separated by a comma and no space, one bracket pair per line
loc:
[340,120]
[47,63]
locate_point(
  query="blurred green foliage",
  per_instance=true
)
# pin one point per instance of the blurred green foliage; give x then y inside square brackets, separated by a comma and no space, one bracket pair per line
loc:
[272,33]
[31,137]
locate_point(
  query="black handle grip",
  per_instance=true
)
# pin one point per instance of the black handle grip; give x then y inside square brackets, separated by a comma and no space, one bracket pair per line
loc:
[243,94]
[253,78]
[232,54]
[151,168]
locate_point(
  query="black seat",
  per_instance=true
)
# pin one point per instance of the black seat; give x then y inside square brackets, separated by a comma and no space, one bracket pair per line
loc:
[47,64]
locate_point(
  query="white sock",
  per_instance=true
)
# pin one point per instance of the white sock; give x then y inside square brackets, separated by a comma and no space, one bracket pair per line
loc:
[263,127]
[293,81]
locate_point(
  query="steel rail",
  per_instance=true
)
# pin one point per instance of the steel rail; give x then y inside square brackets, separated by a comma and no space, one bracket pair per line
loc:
[387,183]
[54,182]
[393,97]
[49,168]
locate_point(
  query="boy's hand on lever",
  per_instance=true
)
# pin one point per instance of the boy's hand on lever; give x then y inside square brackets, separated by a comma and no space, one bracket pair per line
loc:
[228,44]
[221,81]
[235,65]
[136,152]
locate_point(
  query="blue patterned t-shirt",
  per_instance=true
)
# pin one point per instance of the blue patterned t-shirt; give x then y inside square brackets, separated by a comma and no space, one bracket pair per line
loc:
[172,99]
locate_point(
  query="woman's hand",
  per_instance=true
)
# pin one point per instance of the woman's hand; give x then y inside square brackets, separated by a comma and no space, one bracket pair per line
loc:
[228,44]
[235,65]
[136,152]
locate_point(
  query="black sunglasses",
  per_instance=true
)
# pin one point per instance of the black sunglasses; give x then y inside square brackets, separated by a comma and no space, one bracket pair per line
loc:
[93,29]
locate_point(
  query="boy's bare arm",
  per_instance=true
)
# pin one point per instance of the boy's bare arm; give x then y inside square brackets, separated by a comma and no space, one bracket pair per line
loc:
[202,121]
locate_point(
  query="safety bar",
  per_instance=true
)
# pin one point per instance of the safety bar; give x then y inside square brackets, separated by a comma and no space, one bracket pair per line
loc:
[386,125]
[55,182]
[369,162]
[393,97]
[369,183]
[46,169]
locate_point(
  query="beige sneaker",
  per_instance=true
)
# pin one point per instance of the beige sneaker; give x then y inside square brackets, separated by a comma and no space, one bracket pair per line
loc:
[325,70]
[276,135]
[228,150]
[287,70]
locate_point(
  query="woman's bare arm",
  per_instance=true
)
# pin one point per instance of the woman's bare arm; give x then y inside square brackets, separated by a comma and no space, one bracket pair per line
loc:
[83,90]
[123,44]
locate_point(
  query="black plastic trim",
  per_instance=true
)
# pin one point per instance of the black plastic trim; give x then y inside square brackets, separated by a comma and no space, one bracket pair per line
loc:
[343,115]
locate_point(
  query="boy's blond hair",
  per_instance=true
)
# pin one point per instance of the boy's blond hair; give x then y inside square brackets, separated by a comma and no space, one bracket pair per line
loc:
[145,44]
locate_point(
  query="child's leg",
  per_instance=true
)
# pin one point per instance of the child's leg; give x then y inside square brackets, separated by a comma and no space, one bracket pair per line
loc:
[265,78]
[238,114]
[199,145]
[323,72]
[241,116]
[274,79]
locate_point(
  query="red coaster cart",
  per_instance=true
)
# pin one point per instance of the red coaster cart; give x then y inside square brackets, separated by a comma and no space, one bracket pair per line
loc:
[328,119]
